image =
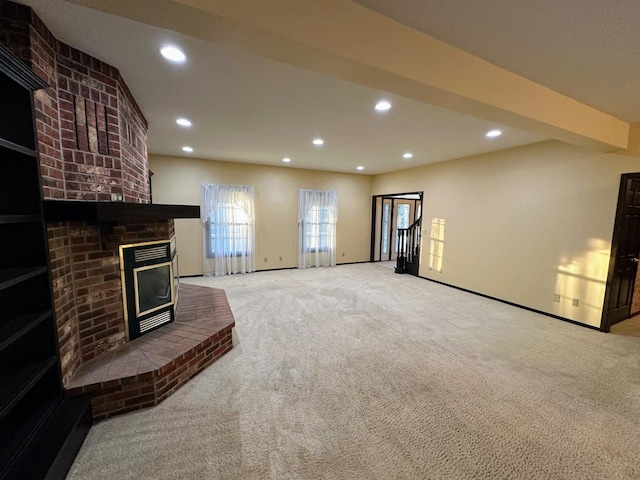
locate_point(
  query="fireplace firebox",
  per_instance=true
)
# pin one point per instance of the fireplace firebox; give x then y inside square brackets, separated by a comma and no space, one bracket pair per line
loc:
[149,285]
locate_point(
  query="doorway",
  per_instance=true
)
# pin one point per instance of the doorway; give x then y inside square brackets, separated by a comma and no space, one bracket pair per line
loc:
[620,302]
[390,213]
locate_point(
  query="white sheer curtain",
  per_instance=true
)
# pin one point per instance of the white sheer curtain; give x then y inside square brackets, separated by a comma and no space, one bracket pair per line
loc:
[227,215]
[317,218]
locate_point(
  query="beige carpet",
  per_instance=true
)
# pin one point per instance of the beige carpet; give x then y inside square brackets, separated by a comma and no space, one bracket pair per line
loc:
[355,372]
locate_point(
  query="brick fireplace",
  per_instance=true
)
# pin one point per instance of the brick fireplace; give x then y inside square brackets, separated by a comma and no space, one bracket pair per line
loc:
[96,186]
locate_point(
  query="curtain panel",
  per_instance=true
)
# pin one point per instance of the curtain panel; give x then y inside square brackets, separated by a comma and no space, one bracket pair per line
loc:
[317,219]
[228,219]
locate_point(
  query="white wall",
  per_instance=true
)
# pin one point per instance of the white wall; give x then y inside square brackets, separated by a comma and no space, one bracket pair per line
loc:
[178,180]
[523,224]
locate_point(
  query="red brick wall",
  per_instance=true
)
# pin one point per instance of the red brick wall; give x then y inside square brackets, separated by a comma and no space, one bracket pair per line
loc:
[47,115]
[91,133]
[135,163]
[64,299]
[85,270]
[96,277]
[104,134]
[15,22]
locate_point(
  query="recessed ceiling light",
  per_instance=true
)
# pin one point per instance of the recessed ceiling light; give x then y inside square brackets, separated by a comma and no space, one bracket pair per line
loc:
[183,122]
[407,155]
[286,159]
[187,149]
[359,167]
[382,106]
[493,133]
[318,141]
[173,54]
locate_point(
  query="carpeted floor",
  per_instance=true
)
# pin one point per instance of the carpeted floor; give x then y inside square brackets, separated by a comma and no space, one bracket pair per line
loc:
[355,372]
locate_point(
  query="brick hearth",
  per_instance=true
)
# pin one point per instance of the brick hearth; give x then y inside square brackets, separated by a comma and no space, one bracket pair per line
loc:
[145,371]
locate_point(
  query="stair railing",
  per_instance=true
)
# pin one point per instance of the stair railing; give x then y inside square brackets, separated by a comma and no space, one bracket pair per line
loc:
[409,248]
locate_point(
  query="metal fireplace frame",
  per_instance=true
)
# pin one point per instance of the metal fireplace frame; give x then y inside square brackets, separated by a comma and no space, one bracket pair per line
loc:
[143,257]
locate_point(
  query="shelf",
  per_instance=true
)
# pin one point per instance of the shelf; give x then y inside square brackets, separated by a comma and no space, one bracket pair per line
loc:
[60,211]
[13,68]
[16,384]
[21,430]
[48,442]
[17,148]
[19,326]
[19,184]
[5,219]
[13,276]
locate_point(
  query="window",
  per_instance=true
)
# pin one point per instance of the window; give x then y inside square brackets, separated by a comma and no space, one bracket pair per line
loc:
[229,225]
[229,231]
[318,232]
[404,209]
[385,228]
[317,218]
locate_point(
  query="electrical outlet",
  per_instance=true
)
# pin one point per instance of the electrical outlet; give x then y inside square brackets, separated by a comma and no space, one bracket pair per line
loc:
[280,257]
[116,197]
[343,254]
[575,302]
[265,259]
[556,298]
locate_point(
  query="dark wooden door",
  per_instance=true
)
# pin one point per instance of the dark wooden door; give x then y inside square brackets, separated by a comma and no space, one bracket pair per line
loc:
[625,252]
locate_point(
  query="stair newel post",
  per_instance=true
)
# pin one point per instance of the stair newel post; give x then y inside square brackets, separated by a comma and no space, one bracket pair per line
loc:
[402,250]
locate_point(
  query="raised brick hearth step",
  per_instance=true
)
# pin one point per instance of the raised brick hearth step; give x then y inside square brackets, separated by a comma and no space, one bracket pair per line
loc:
[148,369]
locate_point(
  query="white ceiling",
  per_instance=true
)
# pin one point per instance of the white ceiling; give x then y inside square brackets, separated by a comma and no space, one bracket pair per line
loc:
[586,49]
[247,108]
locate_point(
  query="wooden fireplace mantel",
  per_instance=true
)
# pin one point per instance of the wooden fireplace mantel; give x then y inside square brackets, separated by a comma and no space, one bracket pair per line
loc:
[62,210]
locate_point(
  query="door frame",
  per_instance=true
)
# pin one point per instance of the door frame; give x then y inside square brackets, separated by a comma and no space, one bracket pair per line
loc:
[615,242]
[392,197]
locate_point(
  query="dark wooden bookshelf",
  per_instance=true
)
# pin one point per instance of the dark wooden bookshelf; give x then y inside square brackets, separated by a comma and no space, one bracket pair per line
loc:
[11,330]
[40,430]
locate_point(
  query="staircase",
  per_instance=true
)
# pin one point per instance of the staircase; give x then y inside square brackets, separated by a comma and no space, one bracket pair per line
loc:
[408,260]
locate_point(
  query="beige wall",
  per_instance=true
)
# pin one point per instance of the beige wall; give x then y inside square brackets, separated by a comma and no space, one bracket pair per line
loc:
[523,224]
[178,180]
